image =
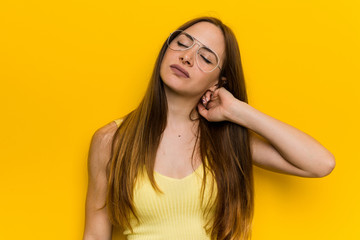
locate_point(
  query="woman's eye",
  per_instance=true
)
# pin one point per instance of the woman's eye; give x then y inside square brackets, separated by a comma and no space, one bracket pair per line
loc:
[181,45]
[205,59]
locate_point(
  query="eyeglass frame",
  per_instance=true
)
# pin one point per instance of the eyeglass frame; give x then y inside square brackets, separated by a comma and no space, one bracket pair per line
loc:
[197,52]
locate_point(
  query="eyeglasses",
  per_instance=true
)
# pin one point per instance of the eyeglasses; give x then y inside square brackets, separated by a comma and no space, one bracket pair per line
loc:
[206,59]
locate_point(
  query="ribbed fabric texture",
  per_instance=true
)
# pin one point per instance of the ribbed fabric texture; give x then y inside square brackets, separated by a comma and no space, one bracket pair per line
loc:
[177,214]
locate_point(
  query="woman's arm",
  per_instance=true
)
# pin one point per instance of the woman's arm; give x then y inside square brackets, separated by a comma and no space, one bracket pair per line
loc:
[97,224]
[283,148]
[275,145]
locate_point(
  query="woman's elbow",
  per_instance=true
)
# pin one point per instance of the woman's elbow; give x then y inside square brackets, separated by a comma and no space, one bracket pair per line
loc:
[328,166]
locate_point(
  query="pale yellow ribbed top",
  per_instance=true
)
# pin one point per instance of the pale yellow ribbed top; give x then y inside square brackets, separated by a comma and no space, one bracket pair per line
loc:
[175,215]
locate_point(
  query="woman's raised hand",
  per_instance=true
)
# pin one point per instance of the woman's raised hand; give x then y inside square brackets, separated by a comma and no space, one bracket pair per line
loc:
[215,105]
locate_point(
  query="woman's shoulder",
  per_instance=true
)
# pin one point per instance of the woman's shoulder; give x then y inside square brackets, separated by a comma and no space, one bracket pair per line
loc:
[106,132]
[100,147]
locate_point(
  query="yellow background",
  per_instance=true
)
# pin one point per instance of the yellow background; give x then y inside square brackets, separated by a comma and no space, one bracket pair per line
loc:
[69,67]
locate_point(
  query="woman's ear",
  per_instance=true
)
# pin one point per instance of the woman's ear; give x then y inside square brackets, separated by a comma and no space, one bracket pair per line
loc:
[222,81]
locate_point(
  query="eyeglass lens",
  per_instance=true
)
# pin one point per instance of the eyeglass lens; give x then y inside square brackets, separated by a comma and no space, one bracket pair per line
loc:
[206,59]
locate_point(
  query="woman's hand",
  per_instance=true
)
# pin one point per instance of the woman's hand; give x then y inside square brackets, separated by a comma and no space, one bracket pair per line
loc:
[215,106]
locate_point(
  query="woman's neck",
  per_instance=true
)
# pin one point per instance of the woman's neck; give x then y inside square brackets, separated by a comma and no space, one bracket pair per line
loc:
[179,109]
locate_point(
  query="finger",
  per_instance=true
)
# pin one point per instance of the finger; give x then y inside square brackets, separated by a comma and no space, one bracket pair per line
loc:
[204,101]
[208,95]
[202,110]
[216,92]
[213,95]
[210,105]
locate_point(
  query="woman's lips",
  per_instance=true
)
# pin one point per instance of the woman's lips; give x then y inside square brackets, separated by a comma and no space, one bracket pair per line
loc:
[179,71]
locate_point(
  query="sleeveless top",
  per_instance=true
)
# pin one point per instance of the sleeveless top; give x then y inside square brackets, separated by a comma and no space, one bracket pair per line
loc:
[178,213]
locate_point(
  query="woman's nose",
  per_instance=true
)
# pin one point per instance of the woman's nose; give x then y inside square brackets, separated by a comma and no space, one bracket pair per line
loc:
[188,56]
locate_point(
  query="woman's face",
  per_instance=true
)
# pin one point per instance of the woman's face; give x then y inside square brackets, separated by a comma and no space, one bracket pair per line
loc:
[197,82]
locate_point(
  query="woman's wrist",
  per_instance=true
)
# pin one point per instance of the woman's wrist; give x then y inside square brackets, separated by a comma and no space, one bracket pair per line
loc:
[236,112]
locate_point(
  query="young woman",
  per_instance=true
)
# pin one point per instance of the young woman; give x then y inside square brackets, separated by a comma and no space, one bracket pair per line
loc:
[180,165]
